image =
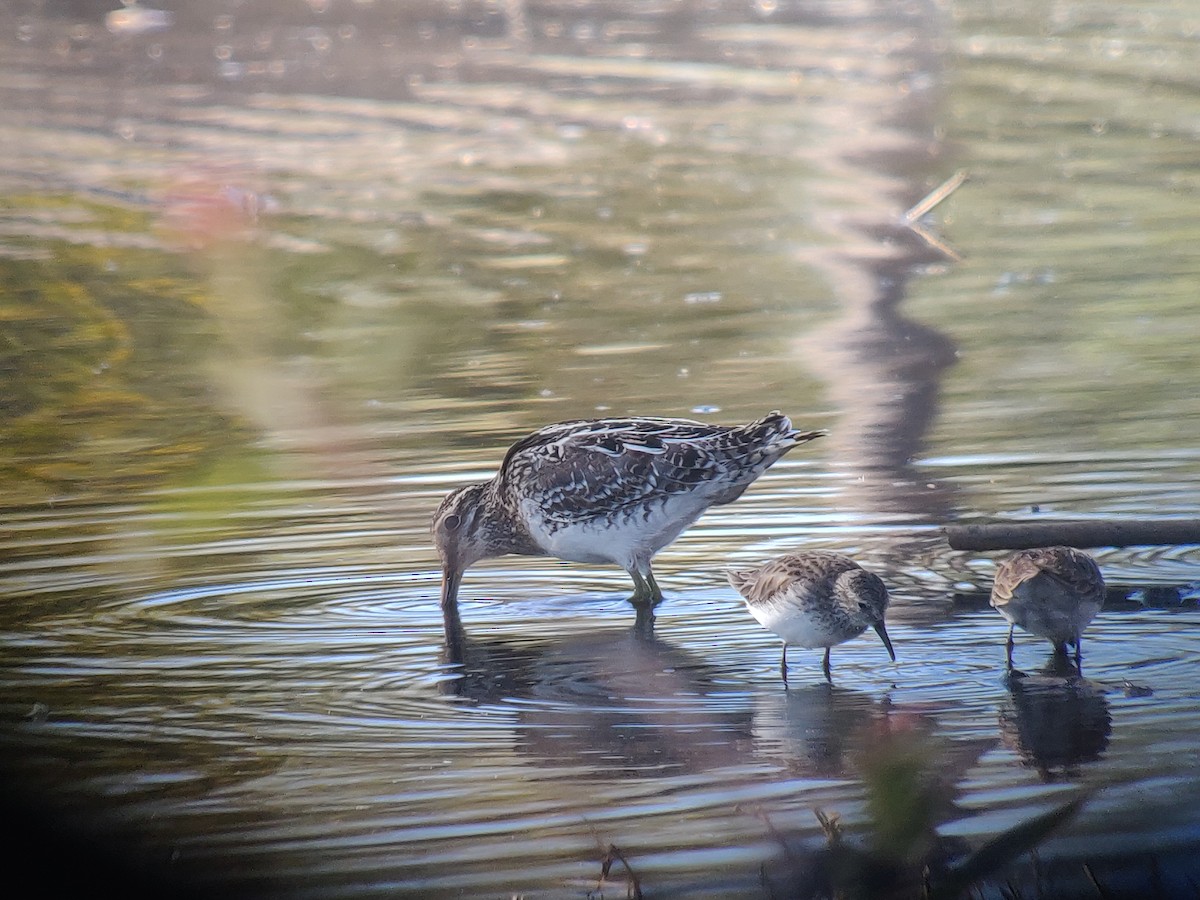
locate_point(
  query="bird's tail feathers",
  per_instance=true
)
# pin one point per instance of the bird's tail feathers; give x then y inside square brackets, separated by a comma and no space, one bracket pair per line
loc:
[739,578]
[775,431]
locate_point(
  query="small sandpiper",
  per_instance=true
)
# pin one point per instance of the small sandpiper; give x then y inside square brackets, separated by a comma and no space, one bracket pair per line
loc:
[1053,592]
[814,599]
[605,491]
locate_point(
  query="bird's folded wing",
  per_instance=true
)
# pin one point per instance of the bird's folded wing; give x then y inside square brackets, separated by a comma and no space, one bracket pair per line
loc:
[579,471]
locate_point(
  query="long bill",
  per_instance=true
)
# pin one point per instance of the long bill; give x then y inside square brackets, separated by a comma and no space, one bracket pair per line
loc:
[451,578]
[887,642]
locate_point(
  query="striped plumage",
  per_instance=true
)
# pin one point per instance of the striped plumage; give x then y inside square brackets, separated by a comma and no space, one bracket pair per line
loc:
[814,599]
[1053,592]
[605,491]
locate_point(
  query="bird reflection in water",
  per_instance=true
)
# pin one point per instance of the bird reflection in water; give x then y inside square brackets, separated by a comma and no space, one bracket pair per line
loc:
[1055,720]
[810,730]
[620,702]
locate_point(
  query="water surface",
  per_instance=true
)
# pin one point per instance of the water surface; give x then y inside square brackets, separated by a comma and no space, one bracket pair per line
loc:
[277,279]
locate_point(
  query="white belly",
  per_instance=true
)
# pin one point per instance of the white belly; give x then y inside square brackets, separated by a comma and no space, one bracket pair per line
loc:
[619,541]
[795,629]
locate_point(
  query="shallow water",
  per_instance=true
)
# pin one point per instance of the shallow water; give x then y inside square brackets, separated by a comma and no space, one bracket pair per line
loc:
[277,280]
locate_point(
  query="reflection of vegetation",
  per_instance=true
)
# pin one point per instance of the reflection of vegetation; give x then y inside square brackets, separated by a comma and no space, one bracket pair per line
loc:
[98,356]
[910,776]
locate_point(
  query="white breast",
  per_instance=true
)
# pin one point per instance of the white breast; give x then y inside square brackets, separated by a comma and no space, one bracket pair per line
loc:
[793,628]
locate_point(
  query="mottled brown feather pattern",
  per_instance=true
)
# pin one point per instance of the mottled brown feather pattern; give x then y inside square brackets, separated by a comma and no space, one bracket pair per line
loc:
[1073,569]
[601,468]
[814,599]
[805,574]
[605,490]
[1052,592]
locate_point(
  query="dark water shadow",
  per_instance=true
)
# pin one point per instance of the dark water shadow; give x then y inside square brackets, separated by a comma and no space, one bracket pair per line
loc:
[882,368]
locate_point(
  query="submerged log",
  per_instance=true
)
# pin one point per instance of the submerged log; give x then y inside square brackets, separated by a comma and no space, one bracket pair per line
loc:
[1023,535]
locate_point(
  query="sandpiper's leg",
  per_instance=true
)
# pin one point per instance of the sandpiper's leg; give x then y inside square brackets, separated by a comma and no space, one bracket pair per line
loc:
[640,590]
[1010,644]
[643,593]
[783,665]
[1078,655]
[825,666]
[645,589]
[655,591]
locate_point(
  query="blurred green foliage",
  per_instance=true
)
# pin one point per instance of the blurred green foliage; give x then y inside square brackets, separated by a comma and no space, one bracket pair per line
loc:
[100,361]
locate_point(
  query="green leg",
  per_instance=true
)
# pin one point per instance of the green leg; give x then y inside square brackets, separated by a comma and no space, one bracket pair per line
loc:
[655,591]
[646,591]
[825,666]
[1010,646]
[641,591]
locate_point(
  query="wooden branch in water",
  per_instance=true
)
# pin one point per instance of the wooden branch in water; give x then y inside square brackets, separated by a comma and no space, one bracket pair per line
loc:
[926,204]
[1022,535]
[936,196]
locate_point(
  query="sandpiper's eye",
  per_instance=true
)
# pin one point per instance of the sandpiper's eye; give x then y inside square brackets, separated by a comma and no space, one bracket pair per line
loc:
[452,522]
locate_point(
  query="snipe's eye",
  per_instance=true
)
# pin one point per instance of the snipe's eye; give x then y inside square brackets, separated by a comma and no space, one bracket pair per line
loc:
[452,522]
